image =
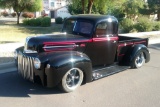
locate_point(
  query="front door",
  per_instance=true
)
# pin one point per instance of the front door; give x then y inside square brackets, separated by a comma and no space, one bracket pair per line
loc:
[102,49]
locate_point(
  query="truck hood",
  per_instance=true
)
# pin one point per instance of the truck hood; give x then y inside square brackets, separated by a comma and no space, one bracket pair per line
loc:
[53,42]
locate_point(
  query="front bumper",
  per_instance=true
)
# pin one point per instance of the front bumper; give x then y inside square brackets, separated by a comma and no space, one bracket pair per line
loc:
[49,77]
[25,65]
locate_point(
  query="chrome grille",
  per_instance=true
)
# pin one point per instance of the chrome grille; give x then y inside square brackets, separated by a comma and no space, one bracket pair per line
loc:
[26,66]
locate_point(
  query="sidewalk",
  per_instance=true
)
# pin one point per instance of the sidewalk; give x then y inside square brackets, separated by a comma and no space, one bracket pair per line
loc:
[7,51]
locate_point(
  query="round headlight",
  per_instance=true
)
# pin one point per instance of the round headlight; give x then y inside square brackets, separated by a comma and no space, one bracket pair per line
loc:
[37,63]
[15,54]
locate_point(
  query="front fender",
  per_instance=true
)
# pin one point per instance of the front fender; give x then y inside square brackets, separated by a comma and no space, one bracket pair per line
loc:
[58,63]
[138,48]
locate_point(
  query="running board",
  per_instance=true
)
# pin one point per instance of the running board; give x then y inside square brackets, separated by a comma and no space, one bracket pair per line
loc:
[106,71]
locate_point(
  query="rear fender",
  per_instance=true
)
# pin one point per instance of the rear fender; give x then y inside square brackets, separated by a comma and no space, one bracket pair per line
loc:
[136,49]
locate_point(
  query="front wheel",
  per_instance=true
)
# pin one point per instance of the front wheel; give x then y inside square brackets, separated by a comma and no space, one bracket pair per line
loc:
[138,61]
[72,80]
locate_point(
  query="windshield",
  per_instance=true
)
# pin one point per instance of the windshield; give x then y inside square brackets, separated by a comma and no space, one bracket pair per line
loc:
[79,27]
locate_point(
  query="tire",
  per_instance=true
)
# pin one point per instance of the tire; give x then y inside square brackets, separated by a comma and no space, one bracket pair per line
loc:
[72,80]
[138,61]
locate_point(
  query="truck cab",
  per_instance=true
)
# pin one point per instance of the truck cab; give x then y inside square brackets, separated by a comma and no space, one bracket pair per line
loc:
[87,49]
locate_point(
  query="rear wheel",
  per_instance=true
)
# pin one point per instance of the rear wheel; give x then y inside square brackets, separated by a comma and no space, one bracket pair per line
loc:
[138,61]
[72,80]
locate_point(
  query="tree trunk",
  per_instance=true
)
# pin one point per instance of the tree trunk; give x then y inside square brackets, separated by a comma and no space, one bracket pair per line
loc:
[83,7]
[158,16]
[18,15]
[90,4]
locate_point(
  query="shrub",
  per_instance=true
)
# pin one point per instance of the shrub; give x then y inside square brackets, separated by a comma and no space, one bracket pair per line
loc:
[59,20]
[46,21]
[13,14]
[32,22]
[28,15]
[127,25]
[144,24]
[64,19]
[134,30]
[26,21]
[5,14]
[156,26]
[42,21]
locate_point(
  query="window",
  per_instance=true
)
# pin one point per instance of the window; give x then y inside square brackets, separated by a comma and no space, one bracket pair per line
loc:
[78,27]
[101,29]
[83,27]
[106,28]
[52,4]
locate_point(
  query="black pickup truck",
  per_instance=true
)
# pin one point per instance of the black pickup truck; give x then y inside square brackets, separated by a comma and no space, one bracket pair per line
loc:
[87,49]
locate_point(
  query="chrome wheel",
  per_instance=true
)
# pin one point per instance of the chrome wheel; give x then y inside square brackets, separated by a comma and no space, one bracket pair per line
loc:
[139,60]
[72,79]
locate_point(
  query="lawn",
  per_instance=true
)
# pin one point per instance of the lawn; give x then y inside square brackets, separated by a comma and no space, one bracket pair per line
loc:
[10,32]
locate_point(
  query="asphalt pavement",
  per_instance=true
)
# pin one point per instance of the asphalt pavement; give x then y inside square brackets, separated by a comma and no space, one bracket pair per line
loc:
[130,88]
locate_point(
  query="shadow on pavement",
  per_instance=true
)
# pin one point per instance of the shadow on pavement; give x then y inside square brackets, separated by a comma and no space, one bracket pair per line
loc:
[13,85]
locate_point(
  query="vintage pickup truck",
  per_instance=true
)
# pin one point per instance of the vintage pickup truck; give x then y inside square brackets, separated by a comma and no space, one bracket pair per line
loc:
[87,49]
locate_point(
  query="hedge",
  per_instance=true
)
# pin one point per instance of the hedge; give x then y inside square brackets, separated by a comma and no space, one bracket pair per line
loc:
[143,24]
[41,21]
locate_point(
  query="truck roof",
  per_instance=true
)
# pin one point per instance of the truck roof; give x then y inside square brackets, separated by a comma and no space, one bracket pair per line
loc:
[94,17]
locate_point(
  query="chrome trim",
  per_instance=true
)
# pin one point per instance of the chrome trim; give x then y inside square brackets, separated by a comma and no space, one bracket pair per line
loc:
[68,46]
[26,66]
[29,51]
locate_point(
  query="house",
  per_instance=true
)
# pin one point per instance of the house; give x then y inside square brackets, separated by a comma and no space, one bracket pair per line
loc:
[55,8]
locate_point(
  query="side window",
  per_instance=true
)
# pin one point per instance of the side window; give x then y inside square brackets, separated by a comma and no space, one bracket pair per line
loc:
[86,27]
[69,24]
[101,29]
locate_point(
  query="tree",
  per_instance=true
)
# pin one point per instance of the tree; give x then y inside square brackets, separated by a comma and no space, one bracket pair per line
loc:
[20,6]
[88,6]
[154,6]
[131,7]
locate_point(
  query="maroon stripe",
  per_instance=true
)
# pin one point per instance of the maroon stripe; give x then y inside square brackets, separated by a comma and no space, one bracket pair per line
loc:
[139,42]
[66,42]
[123,44]
[105,39]
[121,54]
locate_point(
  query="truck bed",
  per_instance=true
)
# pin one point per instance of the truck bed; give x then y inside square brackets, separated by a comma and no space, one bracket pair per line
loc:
[132,40]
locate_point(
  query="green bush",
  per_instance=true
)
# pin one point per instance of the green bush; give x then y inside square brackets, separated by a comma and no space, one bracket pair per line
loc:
[127,25]
[32,22]
[134,30]
[156,26]
[46,21]
[42,21]
[26,21]
[64,19]
[59,20]
[144,24]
